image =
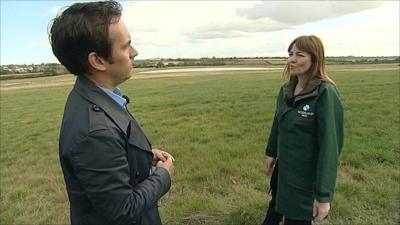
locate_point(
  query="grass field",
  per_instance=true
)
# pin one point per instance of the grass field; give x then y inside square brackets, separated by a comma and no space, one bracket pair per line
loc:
[216,126]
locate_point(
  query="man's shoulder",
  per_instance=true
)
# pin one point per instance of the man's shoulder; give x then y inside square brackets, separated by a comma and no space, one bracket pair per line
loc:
[76,107]
[74,124]
[80,119]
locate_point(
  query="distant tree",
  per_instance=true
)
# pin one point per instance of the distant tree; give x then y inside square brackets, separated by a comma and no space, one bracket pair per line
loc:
[160,64]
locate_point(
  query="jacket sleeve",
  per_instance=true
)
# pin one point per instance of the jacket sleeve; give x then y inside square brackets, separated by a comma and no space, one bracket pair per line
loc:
[101,166]
[272,146]
[330,142]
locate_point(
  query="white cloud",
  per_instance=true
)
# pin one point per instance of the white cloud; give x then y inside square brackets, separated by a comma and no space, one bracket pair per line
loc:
[233,28]
[43,42]
[236,27]
[198,28]
[224,19]
[250,28]
[191,20]
[367,33]
[54,10]
[300,12]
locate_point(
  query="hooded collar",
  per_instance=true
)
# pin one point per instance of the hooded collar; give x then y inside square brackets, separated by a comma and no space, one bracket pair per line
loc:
[309,91]
[88,90]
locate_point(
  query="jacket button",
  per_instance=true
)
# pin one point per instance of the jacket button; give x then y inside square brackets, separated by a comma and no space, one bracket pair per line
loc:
[137,174]
[96,108]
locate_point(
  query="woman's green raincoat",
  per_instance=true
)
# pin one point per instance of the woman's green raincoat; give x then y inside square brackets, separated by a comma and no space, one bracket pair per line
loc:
[307,138]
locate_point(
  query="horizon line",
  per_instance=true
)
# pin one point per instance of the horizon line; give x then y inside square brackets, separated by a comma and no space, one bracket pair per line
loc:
[160,58]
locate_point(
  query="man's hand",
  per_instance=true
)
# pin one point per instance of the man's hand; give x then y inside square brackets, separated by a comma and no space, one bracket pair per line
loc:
[160,155]
[163,159]
[270,165]
[168,164]
[320,210]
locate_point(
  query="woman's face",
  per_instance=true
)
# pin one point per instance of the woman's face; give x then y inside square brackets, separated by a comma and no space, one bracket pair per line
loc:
[299,61]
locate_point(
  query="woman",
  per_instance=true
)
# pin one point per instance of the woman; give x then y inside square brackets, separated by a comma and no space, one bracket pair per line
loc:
[306,138]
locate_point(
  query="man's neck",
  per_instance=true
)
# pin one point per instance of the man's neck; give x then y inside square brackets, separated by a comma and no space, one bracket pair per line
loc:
[101,81]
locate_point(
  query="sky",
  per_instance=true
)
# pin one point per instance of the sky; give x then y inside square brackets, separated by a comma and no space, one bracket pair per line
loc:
[193,29]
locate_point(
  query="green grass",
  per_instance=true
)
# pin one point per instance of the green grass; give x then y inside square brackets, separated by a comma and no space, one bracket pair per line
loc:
[216,126]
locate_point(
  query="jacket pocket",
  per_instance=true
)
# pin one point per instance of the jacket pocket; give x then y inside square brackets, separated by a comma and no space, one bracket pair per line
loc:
[300,184]
[306,124]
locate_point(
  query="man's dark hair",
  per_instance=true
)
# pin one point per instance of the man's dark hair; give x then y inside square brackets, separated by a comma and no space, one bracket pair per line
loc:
[80,29]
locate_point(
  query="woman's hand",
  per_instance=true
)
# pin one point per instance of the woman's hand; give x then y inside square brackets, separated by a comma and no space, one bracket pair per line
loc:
[270,165]
[320,210]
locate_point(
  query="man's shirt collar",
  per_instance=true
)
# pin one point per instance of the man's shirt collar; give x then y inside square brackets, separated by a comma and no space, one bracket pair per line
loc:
[116,95]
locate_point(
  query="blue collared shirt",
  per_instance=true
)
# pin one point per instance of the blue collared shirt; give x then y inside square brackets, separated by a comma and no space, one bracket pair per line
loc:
[116,95]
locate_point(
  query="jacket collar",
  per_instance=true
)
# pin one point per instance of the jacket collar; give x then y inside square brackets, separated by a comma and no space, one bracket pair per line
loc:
[88,90]
[310,90]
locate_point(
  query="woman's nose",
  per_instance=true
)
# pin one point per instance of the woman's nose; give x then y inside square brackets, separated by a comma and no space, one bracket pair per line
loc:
[292,59]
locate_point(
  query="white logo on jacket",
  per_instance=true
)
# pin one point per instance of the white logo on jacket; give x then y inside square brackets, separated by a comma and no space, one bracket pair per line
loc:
[304,113]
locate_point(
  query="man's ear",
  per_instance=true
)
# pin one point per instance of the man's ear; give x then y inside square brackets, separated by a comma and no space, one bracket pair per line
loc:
[96,62]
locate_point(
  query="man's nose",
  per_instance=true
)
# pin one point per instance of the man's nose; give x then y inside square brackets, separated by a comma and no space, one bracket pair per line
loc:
[134,53]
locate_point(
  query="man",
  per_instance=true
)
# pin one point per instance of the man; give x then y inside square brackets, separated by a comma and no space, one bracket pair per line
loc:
[105,155]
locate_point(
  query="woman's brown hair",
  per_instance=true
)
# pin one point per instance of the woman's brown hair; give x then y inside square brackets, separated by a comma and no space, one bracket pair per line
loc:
[313,46]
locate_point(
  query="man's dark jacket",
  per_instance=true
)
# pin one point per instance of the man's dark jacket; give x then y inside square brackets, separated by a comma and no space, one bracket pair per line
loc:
[106,160]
